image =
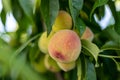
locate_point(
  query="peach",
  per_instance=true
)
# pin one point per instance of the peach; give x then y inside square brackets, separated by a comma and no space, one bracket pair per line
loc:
[51,64]
[88,34]
[39,66]
[62,21]
[64,46]
[66,66]
[43,42]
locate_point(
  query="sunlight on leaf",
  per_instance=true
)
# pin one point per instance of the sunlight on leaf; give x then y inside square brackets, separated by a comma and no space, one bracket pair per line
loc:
[36,5]
[90,49]
[111,45]
[6,5]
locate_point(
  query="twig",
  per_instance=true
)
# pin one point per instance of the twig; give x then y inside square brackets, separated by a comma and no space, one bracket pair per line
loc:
[108,56]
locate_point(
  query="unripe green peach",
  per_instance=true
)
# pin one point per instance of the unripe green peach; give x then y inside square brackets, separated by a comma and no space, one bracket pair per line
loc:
[62,21]
[66,66]
[64,46]
[43,42]
[88,34]
[39,66]
[51,64]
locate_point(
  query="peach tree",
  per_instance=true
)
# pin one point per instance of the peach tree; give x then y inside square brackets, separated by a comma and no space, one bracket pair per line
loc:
[60,40]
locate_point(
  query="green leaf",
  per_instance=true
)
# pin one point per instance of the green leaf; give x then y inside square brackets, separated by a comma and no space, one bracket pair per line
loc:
[90,70]
[36,5]
[81,67]
[17,10]
[27,6]
[19,50]
[100,12]
[111,34]
[73,74]
[111,45]
[80,26]
[116,15]
[117,29]
[6,5]
[3,16]
[117,64]
[98,3]
[49,11]
[85,69]
[117,23]
[34,52]
[90,49]
[75,7]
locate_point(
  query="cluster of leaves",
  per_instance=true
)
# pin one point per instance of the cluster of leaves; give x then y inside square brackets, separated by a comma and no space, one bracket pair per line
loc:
[99,60]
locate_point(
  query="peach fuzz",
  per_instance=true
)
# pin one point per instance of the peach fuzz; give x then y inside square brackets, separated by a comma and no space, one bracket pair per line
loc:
[62,21]
[64,46]
[88,34]
[66,66]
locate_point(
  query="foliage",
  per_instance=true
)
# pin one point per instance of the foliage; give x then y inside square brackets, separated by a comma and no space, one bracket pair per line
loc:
[99,59]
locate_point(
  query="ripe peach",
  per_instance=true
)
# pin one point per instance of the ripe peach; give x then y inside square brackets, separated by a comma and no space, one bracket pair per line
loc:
[43,42]
[51,64]
[64,46]
[62,21]
[66,66]
[88,34]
